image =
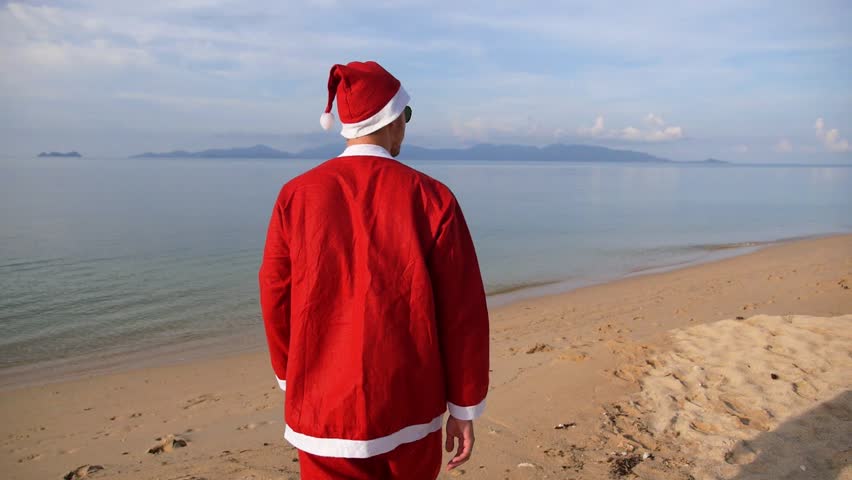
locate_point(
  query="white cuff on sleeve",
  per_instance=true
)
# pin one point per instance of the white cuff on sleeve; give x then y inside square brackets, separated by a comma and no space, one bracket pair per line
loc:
[282,384]
[466,413]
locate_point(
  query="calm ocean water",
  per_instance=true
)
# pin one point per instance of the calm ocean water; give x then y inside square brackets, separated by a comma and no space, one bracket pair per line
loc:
[105,258]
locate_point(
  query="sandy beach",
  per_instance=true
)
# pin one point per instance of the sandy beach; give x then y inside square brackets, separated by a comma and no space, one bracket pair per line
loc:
[737,369]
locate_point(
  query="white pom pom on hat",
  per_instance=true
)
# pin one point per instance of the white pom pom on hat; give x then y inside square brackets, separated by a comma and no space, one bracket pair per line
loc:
[326,120]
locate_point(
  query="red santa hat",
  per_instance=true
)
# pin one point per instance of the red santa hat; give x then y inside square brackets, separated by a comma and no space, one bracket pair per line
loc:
[368,98]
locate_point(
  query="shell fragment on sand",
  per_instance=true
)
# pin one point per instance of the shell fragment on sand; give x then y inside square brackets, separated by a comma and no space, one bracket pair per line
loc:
[82,472]
[563,426]
[167,444]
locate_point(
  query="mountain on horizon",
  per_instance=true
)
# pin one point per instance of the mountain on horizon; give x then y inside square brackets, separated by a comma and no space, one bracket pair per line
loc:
[257,151]
[555,152]
[60,154]
[483,151]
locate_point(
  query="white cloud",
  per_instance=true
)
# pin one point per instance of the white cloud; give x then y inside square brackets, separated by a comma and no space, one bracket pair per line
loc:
[655,131]
[831,138]
[594,130]
[38,20]
[741,148]
[784,146]
[96,53]
[654,121]
[480,129]
[185,102]
[631,133]
[664,135]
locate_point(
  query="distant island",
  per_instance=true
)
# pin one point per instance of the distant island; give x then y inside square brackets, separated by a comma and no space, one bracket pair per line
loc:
[59,154]
[257,151]
[556,152]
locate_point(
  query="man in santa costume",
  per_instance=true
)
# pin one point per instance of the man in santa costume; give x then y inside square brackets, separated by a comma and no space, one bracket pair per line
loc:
[373,301]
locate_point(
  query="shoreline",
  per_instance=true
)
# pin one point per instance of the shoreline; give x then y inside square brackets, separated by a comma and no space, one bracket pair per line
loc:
[237,344]
[711,253]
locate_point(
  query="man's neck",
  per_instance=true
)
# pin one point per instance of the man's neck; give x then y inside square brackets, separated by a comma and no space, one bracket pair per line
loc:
[370,140]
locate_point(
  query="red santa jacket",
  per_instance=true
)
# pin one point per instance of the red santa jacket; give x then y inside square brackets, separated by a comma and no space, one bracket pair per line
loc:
[373,305]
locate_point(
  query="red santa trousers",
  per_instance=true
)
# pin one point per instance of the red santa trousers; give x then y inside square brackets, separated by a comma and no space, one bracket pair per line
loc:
[420,460]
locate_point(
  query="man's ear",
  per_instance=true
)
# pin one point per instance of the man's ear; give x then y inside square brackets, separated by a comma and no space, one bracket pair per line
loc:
[394,126]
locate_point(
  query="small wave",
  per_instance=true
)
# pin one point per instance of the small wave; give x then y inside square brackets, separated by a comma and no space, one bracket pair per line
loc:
[29,264]
[715,247]
[514,287]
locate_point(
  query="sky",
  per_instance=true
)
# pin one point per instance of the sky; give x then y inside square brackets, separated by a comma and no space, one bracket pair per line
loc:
[744,81]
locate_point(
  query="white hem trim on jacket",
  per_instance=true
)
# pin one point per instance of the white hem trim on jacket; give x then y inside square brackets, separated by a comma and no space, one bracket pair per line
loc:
[339,447]
[386,115]
[282,384]
[466,413]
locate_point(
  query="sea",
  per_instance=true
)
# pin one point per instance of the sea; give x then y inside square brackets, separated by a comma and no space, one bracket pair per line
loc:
[111,263]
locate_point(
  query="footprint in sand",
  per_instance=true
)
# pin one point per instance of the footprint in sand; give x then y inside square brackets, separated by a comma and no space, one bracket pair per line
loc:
[804,389]
[605,328]
[629,373]
[30,458]
[252,426]
[750,417]
[574,356]
[842,459]
[742,454]
[703,427]
[200,400]
[539,347]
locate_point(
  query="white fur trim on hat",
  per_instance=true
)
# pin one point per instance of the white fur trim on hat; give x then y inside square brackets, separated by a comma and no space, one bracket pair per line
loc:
[383,117]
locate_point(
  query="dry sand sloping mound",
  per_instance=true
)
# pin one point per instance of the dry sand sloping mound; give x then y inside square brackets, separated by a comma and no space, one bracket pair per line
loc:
[767,397]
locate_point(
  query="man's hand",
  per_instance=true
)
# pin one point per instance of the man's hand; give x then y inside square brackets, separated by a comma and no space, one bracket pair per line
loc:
[463,431]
